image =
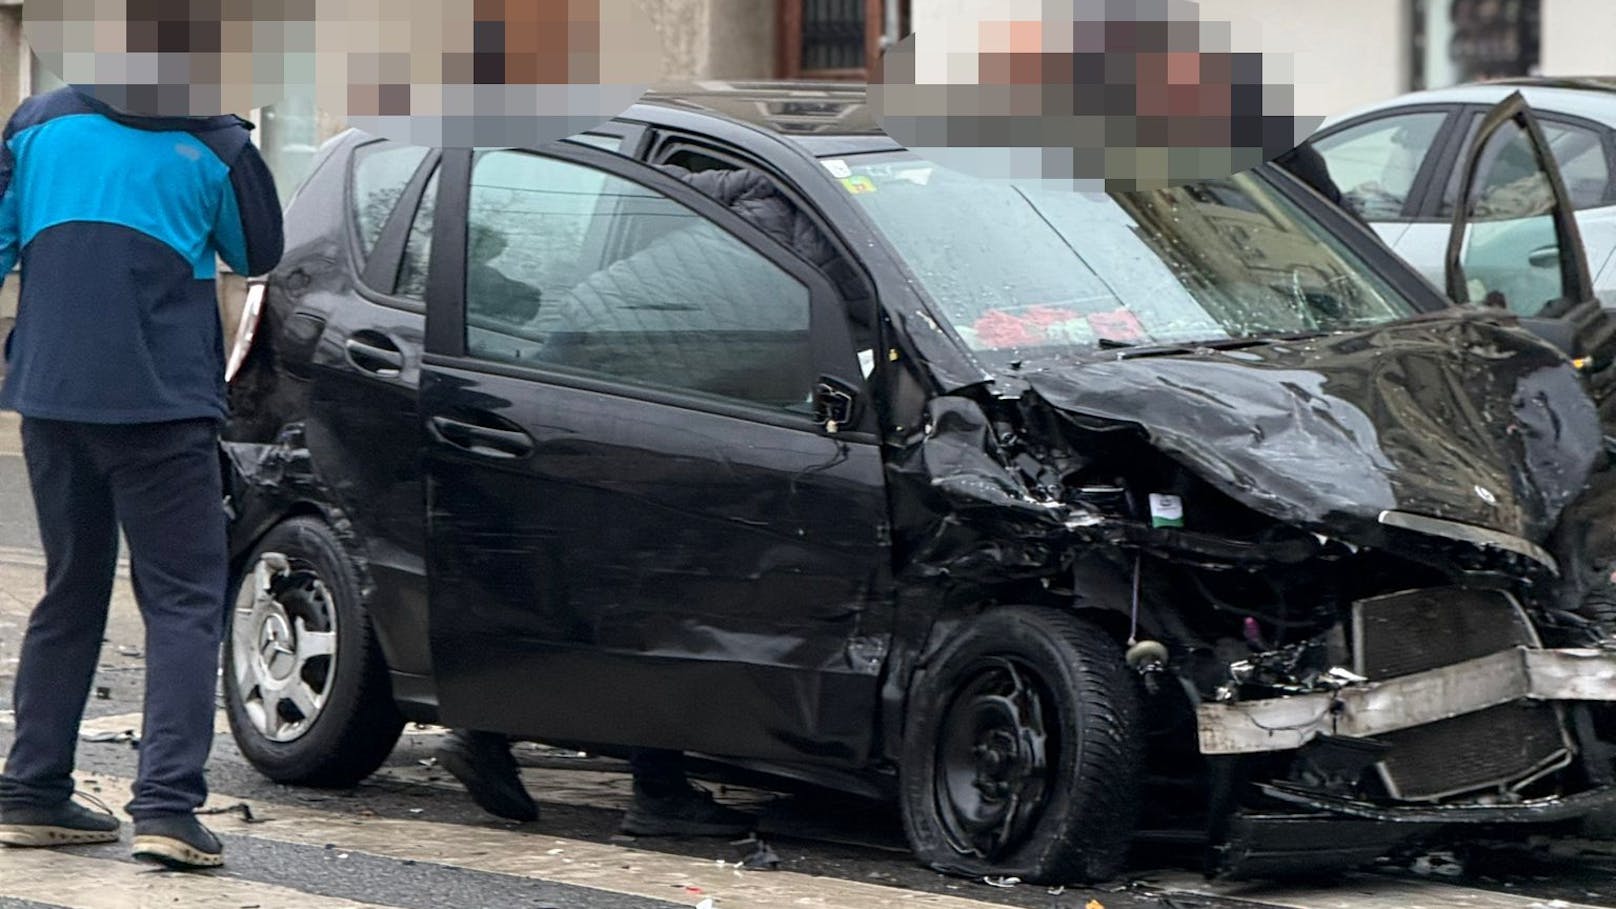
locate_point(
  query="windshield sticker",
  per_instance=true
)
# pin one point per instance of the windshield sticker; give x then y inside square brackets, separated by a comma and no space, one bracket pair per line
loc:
[1034,326]
[1118,325]
[859,185]
[920,176]
[838,169]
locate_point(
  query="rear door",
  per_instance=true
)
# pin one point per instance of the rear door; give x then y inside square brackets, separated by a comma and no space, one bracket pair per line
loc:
[1514,243]
[654,519]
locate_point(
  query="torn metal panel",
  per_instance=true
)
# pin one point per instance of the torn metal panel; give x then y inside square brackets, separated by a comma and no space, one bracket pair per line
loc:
[1364,710]
[1460,419]
[1527,811]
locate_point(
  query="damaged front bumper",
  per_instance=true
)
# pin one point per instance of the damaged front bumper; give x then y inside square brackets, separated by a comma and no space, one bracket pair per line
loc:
[1367,709]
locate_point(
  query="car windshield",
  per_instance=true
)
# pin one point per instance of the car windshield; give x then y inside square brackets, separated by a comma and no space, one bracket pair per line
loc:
[1023,269]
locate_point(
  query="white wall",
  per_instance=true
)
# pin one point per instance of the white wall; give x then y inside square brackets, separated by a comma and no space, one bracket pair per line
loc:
[1579,37]
[1346,53]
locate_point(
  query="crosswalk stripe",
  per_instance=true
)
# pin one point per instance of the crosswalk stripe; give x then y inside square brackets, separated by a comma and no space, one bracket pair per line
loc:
[1360,891]
[614,869]
[60,879]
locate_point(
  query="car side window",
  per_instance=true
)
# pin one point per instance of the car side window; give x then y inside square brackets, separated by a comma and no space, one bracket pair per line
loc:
[381,172]
[695,309]
[1375,164]
[1580,152]
[412,271]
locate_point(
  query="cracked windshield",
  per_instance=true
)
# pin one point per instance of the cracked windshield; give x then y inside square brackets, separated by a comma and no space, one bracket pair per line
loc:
[1214,261]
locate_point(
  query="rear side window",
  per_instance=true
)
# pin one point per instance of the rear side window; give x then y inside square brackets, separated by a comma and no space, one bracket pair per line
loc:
[381,172]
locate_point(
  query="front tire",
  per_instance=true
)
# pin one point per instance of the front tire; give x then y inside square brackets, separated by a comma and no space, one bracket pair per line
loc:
[1023,750]
[306,687]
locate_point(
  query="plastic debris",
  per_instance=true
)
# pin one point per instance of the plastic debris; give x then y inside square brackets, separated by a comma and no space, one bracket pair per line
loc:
[762,858]
[103,693]
[1002,881]
[705,904]
[127,735]
[241,808]
[1093,904]
[1057,891]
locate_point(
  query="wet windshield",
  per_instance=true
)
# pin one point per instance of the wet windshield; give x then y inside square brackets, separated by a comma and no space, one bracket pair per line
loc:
[1022,268]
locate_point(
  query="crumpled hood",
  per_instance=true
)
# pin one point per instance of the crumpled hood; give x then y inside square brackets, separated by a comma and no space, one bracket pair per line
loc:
[1455,417]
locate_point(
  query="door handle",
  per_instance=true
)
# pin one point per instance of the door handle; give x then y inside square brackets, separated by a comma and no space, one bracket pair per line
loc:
[482,440]
[1545,257]
[374,353]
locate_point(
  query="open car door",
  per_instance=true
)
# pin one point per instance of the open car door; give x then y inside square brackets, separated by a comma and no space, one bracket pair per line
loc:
[1515,243]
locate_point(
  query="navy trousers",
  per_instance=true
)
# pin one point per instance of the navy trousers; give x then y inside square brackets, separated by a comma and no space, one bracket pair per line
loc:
[161,483]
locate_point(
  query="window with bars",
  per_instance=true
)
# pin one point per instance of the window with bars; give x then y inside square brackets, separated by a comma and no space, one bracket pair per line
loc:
[832,39]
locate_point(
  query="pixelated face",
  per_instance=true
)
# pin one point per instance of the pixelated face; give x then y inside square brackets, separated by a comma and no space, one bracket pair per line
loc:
[1091,94]
[483,73]
[459,73]
[177,57]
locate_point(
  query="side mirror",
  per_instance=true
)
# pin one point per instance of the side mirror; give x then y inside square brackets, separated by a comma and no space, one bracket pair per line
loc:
[835,403]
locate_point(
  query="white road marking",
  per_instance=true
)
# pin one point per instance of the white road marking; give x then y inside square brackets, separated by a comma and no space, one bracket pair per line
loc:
[75,882]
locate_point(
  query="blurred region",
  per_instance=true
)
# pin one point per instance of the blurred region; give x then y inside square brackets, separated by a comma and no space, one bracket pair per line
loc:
[1095,94]
[489,73]
[177,57]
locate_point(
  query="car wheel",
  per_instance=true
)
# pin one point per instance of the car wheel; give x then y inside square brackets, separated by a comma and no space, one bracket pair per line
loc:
[1022,751]
[306,687]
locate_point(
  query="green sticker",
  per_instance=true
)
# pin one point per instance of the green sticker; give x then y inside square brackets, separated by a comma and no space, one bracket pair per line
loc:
[859,185]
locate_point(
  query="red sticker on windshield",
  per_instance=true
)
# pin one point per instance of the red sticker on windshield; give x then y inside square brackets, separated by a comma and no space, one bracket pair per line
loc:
[1117,325]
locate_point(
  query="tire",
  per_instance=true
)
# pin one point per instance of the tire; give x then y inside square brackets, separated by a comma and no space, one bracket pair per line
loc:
[354,722]
[1022,670]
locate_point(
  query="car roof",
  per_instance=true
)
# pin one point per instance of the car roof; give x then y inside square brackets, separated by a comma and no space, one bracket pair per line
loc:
[821,117]
[1590,97]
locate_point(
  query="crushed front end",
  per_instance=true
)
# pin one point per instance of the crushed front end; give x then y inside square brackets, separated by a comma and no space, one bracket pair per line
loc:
[1364,579]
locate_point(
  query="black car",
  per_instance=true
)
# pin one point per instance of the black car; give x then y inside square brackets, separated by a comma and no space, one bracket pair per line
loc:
[733,427]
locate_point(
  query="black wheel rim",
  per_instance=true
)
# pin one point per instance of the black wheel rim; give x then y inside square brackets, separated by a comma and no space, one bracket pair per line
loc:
[993,770]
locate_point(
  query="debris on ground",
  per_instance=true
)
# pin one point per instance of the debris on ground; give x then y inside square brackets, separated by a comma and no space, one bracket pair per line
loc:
[762,858]
[1093,904]
[98,738]
[1439,864]
[241,808]
[1001,881]
[103,693]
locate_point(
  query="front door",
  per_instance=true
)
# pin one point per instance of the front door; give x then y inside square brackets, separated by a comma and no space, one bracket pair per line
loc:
[645,526]
[1515,244]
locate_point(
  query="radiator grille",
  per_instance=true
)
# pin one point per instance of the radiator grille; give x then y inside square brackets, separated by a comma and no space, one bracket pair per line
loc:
[1410,632]
[1479,750]
[1404,633]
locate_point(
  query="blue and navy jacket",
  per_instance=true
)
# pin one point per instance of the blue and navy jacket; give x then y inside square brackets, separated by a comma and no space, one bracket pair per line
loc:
[117,221]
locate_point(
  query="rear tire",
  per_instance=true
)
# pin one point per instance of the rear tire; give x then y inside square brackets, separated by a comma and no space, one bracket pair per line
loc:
[1023,751]
[348,723]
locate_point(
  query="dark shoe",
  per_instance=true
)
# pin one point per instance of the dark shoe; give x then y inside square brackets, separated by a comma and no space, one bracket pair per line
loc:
[177,841]
[67,824]
[483,764]
[683,812]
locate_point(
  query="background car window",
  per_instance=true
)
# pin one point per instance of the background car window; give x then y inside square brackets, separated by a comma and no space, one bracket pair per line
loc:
[412,271]
[1583,165]
[1511,253]
[1375,164]
[381,172]
[1580,152]
[555,278]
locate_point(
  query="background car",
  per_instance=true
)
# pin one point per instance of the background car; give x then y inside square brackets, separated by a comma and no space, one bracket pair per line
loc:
[1396,163]
[734,427]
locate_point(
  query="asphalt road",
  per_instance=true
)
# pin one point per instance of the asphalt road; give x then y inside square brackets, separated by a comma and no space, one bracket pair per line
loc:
[408,837]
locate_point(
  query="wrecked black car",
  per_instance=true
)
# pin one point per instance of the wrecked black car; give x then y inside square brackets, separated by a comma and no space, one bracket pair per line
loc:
[1062,519]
